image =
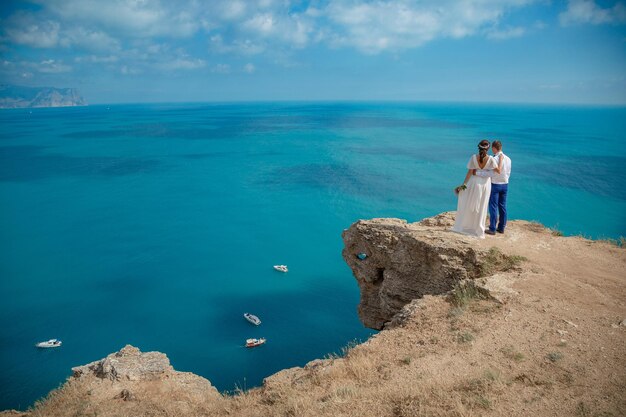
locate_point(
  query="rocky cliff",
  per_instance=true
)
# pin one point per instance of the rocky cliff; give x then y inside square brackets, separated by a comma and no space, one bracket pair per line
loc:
[525,323]
[402,262]
[130,380]
[18,97]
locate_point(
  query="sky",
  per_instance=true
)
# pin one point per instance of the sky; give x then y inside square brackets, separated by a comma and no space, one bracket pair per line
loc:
[130,51]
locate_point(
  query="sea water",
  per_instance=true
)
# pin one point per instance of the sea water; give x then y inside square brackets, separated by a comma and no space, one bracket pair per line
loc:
[158,225]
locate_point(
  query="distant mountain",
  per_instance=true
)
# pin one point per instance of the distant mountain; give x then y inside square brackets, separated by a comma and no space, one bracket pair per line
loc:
[13,96]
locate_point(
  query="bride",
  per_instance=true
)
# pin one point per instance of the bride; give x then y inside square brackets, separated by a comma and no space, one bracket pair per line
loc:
[471,211]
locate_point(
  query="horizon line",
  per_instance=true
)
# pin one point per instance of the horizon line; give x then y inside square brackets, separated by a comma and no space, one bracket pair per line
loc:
[365,101]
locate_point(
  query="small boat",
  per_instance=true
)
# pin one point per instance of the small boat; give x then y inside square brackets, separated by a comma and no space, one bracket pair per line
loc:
[52,343]
[250,343]
[252,318]
[281,268]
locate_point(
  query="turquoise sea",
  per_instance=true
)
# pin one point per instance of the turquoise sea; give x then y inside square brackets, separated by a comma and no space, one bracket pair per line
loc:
[158,225]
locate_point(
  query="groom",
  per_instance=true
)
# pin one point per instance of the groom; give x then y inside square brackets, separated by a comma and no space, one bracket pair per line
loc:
[499,189]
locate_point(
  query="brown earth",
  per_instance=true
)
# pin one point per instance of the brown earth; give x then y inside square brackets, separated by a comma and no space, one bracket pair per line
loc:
[554,345]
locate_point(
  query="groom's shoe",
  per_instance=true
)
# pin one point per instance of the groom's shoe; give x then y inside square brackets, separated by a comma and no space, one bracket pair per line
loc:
[490,232]
[500,231]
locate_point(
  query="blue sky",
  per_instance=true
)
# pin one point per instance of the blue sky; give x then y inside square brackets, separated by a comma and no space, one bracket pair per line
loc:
[229,50]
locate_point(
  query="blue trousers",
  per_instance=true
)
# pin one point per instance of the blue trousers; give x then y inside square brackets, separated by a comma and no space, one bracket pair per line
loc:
[497,206]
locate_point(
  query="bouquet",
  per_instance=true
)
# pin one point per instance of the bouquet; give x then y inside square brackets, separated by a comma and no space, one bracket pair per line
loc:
[460,188]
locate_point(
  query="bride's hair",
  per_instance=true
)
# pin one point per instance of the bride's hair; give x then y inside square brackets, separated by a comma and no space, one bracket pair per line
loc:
[483,147]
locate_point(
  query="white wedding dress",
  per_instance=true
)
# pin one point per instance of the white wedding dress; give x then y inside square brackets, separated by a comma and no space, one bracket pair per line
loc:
[471,211]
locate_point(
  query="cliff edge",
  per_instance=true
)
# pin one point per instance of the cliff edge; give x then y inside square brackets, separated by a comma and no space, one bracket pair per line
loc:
[396,262]
[525,323]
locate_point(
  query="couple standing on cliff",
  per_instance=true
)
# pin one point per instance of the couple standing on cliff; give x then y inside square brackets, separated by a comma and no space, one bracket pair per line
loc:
[485,186]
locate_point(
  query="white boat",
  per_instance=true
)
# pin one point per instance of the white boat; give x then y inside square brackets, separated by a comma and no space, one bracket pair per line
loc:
[250,343]
[252,318]
[281,268]
[52,343]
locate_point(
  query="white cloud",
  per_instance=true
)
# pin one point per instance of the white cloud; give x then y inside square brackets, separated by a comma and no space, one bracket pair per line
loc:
[378,26]
[144,36]
[506,33]
[253,27]
[29,29]
[25,29]
[135,18]
[89,39]
[232,10]
[25,69]
[262,23]
[126,70]
[183,64]
[300,32]
[238,46]
[550,86]
[97,59]
[288,29]
[587,11]
[221,69]
[51,66]
[265,4]
[146,58]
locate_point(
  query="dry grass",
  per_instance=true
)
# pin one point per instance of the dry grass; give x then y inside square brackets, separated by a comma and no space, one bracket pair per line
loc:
[417,372]
[462,295]
[535,227]
[496,261]
[77,398]
[57,402]
[480,392]
[620,242]
[465,337]
[511,353]
[556,232]
[554,356]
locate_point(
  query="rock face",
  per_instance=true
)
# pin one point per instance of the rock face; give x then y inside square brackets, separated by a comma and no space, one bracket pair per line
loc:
[405,261]
[19,97]
[133,377]
[127,364]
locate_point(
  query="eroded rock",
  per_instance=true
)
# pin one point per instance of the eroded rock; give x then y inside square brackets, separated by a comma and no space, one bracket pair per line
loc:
[131,375]
[408,261]
[127,364]
[126,395]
